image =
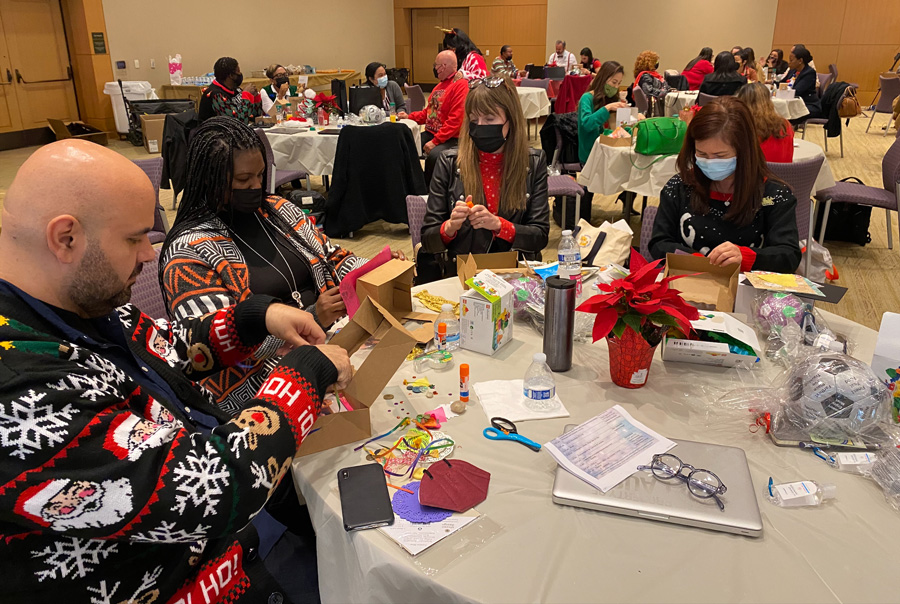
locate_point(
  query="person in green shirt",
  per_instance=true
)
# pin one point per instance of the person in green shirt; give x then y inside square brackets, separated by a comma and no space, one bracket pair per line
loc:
[597,105]
[279,87]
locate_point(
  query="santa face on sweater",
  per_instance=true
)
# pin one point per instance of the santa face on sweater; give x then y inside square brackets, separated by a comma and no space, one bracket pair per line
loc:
[129,436]
[161,347]
[64,504]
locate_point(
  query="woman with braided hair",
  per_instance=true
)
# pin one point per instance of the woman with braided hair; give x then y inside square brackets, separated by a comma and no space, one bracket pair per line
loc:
[230,240]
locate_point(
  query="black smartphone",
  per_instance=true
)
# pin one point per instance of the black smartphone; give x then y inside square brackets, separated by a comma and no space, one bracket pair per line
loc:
[365,502]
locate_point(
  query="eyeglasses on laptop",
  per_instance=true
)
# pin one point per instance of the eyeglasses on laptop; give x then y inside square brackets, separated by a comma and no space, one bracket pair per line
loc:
[702,484]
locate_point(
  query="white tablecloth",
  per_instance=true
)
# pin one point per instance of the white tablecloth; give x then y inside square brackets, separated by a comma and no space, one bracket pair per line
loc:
[610,170]
[314,152]
[535,102]
[528,549]
[789,109]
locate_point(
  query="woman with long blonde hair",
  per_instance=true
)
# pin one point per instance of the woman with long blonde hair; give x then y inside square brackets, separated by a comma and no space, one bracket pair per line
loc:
[776,137]
[489,194]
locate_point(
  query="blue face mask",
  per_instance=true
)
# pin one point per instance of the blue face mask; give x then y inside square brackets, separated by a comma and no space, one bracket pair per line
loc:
[382,81]
[716,169]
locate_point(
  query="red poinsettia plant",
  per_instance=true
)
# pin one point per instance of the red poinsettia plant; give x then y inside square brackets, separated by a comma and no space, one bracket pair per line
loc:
[642,302]
[326,102]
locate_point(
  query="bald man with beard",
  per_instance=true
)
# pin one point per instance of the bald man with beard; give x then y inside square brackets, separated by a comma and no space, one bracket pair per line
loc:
[443,113]
[88,512]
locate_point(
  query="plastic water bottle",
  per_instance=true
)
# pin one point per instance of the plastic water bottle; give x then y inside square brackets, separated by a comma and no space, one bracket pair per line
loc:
[569,255]
[449,340]
[539,387]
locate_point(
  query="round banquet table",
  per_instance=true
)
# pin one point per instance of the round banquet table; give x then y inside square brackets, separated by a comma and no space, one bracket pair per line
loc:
[535,102]
[610,170]
[313,152]
[789,109]
[525,548]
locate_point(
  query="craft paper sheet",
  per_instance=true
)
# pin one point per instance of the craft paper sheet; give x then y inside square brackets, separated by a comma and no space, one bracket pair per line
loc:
[416,538]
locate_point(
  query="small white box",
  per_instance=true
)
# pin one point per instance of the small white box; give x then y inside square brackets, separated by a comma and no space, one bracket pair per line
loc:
[713,353]
[485,313]
[785,94]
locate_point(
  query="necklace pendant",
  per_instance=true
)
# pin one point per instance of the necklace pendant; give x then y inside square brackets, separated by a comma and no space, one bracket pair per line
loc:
[297,298]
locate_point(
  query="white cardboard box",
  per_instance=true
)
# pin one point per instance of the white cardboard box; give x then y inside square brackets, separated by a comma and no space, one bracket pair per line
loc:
[713,353]
[485,313]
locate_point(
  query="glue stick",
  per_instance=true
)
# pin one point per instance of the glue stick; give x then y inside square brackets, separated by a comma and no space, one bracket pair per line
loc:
[464,382]
[442,336]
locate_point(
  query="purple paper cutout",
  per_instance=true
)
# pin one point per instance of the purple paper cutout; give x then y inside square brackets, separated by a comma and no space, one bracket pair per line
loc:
[408,507]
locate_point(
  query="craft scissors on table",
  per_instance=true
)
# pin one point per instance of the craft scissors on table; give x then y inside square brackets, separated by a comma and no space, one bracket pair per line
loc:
[503,429]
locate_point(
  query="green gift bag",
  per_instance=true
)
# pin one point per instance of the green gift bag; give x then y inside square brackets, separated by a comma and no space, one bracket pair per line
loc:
[659,136]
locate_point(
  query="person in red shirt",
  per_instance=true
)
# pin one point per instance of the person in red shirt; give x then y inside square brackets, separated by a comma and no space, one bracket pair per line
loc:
[443,114]
[696,70]
[490,195]
[776,137]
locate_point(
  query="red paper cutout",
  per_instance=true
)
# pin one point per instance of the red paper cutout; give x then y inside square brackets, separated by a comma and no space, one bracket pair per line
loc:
[454,485]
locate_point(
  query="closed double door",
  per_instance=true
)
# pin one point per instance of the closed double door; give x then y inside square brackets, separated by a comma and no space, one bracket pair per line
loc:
[427,38]
[35,75]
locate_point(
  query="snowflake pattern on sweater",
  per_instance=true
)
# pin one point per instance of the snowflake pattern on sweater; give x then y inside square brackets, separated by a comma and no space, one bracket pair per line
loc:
[110,494]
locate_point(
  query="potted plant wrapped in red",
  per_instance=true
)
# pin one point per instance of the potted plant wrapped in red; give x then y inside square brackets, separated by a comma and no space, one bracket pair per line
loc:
[633,314]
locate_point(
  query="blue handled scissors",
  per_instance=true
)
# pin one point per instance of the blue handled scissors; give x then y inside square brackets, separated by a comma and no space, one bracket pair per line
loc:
[503,429]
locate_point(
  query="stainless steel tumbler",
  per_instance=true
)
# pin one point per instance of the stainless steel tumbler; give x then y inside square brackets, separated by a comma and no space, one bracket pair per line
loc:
[559,322]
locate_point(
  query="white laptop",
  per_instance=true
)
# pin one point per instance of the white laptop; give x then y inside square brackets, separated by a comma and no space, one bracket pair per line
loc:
[644,496]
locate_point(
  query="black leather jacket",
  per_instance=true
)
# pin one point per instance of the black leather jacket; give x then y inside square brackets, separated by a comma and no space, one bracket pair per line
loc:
[532,222]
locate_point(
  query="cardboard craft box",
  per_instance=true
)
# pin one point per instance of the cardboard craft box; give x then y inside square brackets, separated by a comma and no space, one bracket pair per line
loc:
[713,353]
[485,314]
[615,142]
[152,126]
[64,130]
[707,287]
[395,342]
[390,286]
[502,263]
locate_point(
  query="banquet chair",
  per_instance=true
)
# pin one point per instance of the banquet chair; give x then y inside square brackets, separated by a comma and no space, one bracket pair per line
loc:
[279,177]
[563,186]
[415,209]
[153,168]
[648,217]
[529,83]
[416,98]
[146,294]
[801,177]
[703,98]
[825,80]
[890,90]
[557,163]
[640,101]
[887,197]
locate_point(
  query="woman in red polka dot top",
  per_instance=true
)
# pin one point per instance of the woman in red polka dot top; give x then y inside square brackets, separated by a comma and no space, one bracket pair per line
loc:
[490,194]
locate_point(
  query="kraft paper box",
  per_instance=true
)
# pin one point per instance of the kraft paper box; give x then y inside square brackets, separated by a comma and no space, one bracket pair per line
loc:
[615,142]
[390,286]
[485,314]
[152,126]
[502,263]
[706,287]
[713,353]
[394,343]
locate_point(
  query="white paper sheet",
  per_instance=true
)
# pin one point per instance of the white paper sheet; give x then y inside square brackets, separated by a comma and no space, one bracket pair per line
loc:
[416,538]
[503,398]
[608,448]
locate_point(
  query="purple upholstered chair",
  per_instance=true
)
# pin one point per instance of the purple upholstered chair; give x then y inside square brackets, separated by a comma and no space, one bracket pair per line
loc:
[887,198]
[801,177]
[640,100]
[146,293]
[565,186]
[890,90]
[648,217]
[279,177]
[563,166]
[703,98]
[416,99]
[152,167]
[825,80]
[415,210]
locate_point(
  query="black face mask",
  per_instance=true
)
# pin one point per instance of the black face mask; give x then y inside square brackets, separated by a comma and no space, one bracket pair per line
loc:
[434,69]
[246,201]
[487,138]
[238,79]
